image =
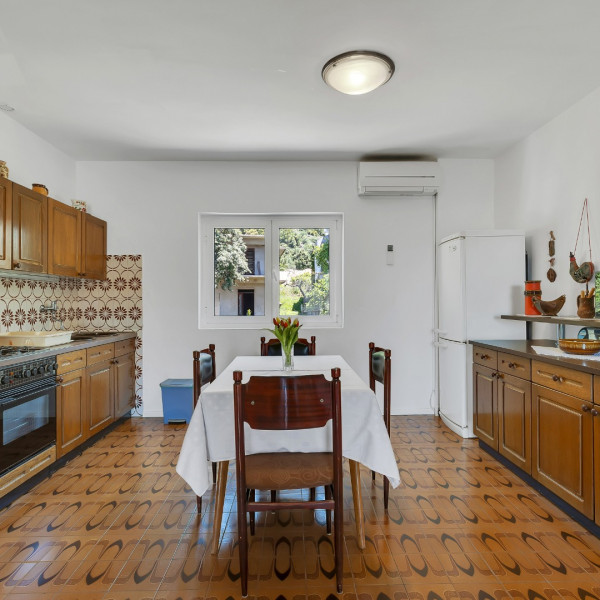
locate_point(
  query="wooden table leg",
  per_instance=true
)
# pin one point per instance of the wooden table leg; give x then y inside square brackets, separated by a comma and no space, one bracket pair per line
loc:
[222,469]
[358,504]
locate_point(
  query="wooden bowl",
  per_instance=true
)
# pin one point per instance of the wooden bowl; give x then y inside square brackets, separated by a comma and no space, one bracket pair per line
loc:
[575,346]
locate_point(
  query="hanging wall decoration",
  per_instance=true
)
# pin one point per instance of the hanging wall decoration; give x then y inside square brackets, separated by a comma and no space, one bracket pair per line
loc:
[551,273]
[584,272]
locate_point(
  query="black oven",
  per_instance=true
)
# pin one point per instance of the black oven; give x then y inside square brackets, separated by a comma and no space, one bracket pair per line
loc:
[27,410]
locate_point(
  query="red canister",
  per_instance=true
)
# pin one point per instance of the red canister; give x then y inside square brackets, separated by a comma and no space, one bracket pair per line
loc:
[532,288]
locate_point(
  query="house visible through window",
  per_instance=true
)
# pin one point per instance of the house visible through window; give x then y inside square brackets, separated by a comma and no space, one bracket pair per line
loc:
[255,267]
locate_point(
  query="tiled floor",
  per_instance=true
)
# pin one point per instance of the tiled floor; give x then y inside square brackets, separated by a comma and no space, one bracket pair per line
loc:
[117,522]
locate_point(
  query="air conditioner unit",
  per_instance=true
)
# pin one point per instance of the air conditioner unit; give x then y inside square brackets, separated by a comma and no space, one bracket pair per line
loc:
[410,178]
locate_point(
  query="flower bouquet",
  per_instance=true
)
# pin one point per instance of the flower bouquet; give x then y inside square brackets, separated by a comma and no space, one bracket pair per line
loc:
[286,332]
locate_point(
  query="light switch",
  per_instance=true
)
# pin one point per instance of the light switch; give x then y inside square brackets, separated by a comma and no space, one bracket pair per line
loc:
[390,254]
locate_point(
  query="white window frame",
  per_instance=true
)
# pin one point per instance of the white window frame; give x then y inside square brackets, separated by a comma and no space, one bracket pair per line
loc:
[271,223]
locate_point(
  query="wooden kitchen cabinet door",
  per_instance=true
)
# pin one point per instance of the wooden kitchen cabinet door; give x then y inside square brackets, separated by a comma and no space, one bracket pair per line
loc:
[100,407]
[124,384]
[514,420]
[485,416]
[5,223]
[29,230]
[64,239]
[562,447]
[94,247]
[596,418]
[71,413]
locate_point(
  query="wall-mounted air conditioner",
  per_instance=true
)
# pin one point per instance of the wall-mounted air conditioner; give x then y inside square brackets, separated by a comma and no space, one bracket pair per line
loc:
[398,178]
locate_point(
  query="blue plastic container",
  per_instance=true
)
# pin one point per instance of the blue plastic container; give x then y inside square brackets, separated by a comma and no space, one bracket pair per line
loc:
[177,400]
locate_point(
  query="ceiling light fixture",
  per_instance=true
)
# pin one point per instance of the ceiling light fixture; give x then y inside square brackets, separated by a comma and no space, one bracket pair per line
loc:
[358,71]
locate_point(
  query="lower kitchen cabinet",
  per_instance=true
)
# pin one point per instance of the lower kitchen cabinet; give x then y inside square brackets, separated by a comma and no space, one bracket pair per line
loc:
[71,411]
[541,417]
[100,385]
[124,368]
[94,387]
[514,420]
[562,440]
[485,391]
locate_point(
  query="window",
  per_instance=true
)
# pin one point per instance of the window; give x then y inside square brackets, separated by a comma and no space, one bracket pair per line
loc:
[256,267]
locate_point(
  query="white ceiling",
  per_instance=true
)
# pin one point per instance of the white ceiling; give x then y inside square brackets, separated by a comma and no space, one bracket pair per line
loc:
[241,79]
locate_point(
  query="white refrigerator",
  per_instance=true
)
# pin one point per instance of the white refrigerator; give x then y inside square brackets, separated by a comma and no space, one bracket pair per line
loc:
[480,276]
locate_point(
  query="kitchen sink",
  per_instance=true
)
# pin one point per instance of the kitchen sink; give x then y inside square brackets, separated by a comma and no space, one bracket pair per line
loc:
[91,335]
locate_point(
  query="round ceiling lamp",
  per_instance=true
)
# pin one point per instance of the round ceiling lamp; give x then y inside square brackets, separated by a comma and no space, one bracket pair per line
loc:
[357,72]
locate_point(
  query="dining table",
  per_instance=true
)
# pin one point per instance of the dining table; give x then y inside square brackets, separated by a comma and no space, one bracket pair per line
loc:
[210,435]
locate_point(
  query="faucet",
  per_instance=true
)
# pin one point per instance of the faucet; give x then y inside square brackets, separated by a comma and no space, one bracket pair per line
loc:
[49,309]
[53,309]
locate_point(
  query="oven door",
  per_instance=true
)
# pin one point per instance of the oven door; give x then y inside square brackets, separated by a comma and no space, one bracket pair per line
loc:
[27,422]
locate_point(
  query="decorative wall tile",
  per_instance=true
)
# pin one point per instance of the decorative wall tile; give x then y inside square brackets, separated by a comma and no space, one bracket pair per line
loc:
[114,304]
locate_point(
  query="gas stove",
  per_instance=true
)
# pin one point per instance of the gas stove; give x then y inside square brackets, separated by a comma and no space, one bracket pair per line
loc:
[22,367]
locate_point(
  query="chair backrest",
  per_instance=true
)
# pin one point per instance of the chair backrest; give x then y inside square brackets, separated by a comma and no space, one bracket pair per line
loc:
[285,403]
[380,366]
[301,348]
[203,369]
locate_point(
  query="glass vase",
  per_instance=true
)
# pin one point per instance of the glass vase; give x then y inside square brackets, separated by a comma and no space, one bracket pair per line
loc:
[287,360]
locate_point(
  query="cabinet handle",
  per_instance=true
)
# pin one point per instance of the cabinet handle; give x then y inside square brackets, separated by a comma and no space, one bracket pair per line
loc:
[594,412]
[585,408]
[485,357]
[512,365]
[17,265]
[59,380]
[557,378]
[115,362]
[500,375]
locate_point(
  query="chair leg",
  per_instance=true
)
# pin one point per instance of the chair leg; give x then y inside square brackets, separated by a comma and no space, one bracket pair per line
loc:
[386,492]
[313,494]
[328,494]
[199,504]
[214,470]
[252,497]
[373,475]
[243,543]
[338,539]
[273,495]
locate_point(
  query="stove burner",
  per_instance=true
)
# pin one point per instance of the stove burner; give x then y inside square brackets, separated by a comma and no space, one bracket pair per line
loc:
[14,350]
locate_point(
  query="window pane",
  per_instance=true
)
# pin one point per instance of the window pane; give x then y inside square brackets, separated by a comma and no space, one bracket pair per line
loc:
[304,271]
[239,272]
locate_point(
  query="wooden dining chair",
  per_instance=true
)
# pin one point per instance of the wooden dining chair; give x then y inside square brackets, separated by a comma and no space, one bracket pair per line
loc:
[380,369]
[203,372]
[301,348]
[288,403]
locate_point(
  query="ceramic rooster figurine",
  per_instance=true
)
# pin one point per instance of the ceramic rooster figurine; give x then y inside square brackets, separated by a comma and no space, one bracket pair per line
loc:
[583,273]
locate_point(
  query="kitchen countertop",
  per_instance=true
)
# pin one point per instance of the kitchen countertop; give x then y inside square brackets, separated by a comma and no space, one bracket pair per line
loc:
[524,348]
[97,340]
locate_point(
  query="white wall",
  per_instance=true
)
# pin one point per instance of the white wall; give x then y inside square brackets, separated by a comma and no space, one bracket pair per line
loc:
[465,201]
[33,160]
[152,209]
[541,183]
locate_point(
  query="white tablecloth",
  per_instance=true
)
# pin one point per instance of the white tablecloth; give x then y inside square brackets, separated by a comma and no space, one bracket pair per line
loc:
[210,435]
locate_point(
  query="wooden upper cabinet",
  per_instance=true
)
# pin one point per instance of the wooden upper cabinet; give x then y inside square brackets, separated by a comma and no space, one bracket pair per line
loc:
[94,247]
[64,239]
[5,223]
[29,230]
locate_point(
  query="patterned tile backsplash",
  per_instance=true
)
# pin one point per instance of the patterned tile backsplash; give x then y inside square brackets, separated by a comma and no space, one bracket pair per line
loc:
[114,304]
